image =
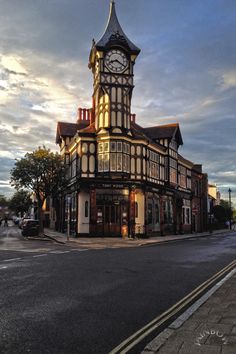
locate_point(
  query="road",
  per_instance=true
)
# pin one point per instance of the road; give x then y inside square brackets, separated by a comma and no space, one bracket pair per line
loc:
[55,299]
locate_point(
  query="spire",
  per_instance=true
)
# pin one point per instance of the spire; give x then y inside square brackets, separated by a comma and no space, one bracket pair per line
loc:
[114,33]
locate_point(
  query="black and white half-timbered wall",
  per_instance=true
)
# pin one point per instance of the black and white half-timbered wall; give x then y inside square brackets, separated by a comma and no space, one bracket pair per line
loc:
[123,179]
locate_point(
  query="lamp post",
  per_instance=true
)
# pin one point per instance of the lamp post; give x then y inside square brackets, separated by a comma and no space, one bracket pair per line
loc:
[230,221]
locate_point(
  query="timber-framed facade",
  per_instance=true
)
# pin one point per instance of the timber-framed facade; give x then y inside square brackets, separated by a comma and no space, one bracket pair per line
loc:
[124,179]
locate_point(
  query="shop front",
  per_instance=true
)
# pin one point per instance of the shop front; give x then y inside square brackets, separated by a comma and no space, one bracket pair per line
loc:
[111,212]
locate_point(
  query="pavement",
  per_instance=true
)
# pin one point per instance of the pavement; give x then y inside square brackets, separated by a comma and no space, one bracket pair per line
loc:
[208,327]
[115,242]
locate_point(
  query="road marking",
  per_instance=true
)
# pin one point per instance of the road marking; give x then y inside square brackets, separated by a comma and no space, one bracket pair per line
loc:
[59,252]
[3,267]
[80,250]
[12,259]
[142,333]
[40,255]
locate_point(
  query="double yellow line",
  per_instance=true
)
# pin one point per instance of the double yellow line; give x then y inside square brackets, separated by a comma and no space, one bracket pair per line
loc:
[138,336]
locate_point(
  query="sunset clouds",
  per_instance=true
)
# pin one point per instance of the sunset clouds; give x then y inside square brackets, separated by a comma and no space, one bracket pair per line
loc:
[185,72]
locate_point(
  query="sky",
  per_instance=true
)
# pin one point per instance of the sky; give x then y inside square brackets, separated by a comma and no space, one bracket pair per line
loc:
[186,73]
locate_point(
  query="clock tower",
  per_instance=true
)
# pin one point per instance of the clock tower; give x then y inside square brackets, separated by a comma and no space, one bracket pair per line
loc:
[112,60]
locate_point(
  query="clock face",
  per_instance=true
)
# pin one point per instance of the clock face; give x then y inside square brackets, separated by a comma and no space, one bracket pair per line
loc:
[116,61]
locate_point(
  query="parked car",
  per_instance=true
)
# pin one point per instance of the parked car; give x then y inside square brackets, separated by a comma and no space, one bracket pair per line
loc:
[16,220]
[22,221]
[30,227]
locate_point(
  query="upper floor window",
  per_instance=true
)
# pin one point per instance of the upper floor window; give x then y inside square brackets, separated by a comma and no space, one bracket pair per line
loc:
[113,156]
[73,164]
[182,176]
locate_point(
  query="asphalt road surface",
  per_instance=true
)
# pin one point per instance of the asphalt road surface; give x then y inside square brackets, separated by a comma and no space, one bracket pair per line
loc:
[54,299]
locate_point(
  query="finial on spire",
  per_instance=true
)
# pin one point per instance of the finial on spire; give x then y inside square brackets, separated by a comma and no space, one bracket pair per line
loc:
[114,31]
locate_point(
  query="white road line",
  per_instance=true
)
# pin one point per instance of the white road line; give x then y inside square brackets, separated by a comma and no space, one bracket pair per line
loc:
[59,252]
[12,259]
[40,255]
[80,250]
[4,267]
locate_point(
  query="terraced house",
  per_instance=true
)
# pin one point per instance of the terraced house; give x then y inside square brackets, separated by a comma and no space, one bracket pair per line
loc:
[124,179]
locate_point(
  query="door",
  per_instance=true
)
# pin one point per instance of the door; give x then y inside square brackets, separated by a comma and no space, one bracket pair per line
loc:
[112,220]
[108,220]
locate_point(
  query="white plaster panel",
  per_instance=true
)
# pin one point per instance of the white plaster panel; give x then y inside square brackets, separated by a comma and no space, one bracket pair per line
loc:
[83,222]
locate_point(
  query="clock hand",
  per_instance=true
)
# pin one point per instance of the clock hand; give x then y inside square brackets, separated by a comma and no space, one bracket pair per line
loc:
[112,61]
[119,62]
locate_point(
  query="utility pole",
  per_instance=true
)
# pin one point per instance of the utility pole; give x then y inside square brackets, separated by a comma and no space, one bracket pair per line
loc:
[68,217]
[230,211]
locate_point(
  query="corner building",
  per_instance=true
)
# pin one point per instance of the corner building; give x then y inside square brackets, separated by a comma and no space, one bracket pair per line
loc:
[123,179]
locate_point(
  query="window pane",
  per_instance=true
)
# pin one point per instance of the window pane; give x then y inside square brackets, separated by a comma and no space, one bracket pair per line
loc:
[113,146]
[106,147]
[113,162]
[106,162]
[119,147]
[100,163]
[119,162]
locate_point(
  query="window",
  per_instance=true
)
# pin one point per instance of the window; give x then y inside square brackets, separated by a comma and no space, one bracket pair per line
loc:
[189,174]
[157,214]
[100,163]
[100,147]
[186,218]
[119,146]
[149,221]
[113,146]
[182,176]
[113,162]
[173,175]
[86,209]
[106,147]
[125,166]
[162,173]
[73,164]
[168,212]
[106,162]
[119,162]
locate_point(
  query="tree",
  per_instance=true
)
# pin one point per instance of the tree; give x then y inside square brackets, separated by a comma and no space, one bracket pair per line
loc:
[20,202]
[3,201]
[220,213]
[223,212]
[42,172]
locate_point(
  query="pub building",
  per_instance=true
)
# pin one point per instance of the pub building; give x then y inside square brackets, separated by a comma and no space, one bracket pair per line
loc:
[123,179]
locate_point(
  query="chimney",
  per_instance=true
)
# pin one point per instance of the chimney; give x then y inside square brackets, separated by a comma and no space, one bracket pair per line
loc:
[84,114]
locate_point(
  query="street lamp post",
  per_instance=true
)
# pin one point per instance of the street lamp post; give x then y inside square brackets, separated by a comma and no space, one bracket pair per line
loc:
[230,221]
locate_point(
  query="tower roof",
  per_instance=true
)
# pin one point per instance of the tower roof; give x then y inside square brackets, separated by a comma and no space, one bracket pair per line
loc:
[114,34]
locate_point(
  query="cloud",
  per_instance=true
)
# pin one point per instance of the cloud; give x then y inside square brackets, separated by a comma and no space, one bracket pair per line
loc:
[185,72]
[228,80]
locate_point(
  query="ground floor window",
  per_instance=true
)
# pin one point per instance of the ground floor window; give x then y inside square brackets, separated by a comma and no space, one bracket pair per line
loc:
[186,219]
[153,214]
[168,211]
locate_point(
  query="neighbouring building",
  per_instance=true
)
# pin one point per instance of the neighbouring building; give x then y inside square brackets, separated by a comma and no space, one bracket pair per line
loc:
[213,199]
[124,179]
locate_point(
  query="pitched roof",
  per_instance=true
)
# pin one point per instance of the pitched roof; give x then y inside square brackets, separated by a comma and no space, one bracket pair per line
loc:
[185,161]
[89,129]
[65,129]
[168,131]
[114,33]
[140,133]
